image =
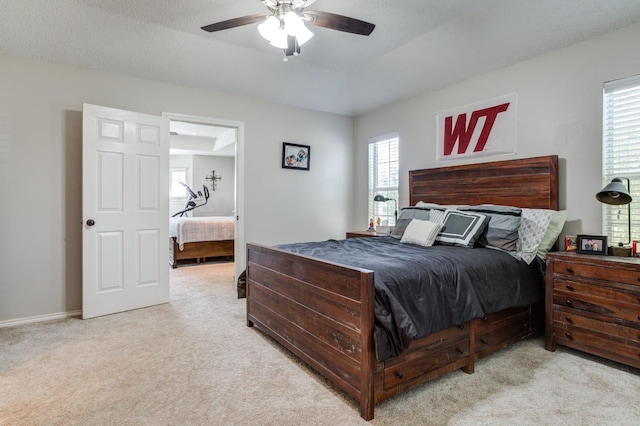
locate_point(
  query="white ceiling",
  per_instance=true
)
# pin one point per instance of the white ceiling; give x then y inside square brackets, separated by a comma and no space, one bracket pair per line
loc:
[416,47]
[189,138]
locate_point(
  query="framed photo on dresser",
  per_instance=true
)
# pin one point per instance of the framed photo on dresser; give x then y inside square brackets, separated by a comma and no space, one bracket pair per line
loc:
[592,244]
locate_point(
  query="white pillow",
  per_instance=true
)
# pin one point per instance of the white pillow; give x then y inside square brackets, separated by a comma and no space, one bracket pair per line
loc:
[421,232]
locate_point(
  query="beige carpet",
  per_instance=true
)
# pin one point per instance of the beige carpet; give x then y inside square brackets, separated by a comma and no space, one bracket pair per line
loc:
[194,362]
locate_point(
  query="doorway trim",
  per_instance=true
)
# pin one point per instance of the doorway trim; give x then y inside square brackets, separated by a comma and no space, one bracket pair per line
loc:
[239,252]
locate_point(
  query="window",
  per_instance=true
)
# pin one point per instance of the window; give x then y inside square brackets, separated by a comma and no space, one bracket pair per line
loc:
[177,191]
[621,154]
[383,177]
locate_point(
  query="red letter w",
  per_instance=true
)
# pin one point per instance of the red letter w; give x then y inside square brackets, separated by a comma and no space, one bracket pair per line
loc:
[462,133]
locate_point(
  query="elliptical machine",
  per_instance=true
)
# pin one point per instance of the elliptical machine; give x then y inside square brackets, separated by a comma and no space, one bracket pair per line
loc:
[194,200]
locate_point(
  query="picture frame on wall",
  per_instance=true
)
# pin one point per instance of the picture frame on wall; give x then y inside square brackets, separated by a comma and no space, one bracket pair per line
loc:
[295,156]
[592,244]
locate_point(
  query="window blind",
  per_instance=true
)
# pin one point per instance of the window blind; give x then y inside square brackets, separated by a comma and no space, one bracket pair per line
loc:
[621,155]
[383,177]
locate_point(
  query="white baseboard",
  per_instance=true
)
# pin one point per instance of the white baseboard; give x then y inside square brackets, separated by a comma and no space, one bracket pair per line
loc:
[39,318]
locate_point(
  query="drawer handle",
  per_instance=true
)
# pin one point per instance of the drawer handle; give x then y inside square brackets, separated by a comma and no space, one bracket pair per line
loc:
[570,270]
[399,374]
[484,341]
[569,335]
[569,287]
[569,320]
[569,302]
[461,326]
[485,318]
[460,350]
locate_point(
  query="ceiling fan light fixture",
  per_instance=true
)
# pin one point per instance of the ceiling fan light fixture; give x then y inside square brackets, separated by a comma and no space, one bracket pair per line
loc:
[294,25]
[303,34]
[279,39]
[269,28]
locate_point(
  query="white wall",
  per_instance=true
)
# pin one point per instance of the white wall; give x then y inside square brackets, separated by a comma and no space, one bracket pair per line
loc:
[559,112]
[40,173]
[221,200]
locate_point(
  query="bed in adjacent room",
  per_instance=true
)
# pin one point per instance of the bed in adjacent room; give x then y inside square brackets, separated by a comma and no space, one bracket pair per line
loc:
[378,316]
[199,238]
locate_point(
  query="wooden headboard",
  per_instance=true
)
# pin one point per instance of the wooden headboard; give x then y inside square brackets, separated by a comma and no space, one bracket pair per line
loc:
[527,182]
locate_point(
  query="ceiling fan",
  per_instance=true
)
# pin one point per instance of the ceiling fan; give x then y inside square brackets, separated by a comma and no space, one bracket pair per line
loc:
[284,26]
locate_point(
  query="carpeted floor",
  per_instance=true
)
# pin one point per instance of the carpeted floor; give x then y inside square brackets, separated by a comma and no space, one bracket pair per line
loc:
[194,362]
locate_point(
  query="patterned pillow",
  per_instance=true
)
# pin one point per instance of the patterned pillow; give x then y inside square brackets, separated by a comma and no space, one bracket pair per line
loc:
[462,228]
[437,216]
[532,229]
[504,223]
[421,232]
[405,217]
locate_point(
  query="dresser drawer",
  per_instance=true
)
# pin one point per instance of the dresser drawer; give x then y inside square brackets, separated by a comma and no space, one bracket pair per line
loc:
[607,346]
[567,319]
[603,291]
[595,305]
[614,273]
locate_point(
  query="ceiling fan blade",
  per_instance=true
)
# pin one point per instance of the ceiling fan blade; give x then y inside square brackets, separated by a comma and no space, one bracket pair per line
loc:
[338,22]
[235,22]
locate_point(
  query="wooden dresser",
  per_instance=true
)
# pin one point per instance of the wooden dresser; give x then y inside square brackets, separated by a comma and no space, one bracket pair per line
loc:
[593,305]
[365,234]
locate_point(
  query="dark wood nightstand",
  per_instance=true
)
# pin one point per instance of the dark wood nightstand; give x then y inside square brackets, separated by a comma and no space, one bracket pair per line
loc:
[593,305]
[365,234]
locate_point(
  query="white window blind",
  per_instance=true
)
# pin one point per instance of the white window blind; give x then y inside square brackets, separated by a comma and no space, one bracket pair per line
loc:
[383,177]
[621,155]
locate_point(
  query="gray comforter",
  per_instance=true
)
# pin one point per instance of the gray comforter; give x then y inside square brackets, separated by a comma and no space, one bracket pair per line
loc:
[420,290]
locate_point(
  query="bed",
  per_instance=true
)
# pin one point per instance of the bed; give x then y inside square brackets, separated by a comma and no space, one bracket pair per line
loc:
[200,238]
[325,312]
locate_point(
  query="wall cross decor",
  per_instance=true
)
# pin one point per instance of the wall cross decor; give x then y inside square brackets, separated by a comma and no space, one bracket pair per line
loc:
[214,178]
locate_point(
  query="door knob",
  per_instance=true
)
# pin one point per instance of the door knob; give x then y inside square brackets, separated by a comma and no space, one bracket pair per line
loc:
[91,222]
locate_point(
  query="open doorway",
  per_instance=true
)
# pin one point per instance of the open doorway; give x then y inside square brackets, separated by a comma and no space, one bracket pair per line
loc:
[204,190]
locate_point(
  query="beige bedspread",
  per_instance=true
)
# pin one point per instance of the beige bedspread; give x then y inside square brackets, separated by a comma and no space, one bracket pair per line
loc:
[195,229]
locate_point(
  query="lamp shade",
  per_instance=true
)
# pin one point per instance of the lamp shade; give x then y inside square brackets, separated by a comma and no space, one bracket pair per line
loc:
[269,28]
[381,198]
[614,193]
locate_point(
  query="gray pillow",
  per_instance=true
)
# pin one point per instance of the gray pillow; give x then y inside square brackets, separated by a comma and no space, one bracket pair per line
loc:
[405,217]
[462,228]
[504,223]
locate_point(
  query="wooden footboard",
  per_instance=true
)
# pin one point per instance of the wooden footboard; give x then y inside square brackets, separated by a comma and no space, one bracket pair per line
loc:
[199,250]
[324,313]
[320,311]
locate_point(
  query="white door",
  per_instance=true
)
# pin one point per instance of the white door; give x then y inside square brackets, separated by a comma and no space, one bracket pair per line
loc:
[125,210]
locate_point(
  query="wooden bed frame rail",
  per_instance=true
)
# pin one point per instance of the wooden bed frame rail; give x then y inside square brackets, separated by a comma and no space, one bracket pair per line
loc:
[199,250]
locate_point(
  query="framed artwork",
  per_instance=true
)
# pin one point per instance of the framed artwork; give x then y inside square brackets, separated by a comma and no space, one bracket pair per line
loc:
[592,244]
[295,156]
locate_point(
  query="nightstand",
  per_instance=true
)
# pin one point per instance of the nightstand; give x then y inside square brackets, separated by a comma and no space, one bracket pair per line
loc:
[593,305]
[365,234]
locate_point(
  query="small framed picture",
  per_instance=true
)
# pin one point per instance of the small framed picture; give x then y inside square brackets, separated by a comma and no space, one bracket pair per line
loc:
[570,243]
[295,156]
[592,244]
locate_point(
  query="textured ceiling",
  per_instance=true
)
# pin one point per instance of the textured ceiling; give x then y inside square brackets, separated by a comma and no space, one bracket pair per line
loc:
[417,45]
